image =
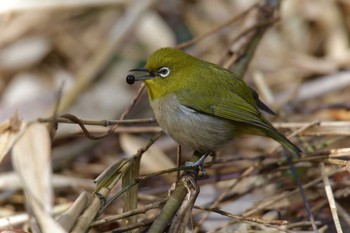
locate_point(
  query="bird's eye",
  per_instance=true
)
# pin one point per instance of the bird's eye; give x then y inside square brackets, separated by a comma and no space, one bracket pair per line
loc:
[164,72]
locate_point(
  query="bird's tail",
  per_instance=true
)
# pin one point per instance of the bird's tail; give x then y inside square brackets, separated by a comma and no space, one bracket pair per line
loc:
[285,142]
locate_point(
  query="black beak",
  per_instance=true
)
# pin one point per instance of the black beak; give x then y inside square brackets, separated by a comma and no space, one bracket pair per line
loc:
[130,79]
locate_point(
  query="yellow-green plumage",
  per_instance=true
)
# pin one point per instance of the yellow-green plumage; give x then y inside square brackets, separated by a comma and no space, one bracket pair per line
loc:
[203,105]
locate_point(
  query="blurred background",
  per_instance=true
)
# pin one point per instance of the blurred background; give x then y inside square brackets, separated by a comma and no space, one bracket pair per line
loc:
[79,52]
[44,46]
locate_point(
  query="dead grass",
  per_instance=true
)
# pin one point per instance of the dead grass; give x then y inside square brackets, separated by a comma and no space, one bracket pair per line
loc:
[73,57]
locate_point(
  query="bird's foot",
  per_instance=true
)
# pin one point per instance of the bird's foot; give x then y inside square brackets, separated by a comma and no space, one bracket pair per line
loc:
[199,163]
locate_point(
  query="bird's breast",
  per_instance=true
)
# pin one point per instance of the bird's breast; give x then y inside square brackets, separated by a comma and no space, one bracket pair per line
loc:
[187,126]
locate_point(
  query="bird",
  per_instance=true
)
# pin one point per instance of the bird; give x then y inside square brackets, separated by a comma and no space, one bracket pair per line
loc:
[202,105]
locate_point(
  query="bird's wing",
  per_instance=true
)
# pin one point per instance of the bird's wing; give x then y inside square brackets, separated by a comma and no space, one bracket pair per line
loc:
[261,104]
[232,107]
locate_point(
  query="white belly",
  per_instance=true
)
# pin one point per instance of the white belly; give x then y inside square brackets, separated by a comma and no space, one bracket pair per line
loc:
[201,132]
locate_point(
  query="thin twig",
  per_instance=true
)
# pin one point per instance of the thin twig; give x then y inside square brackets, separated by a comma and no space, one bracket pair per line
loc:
[73,118]
[243,218]
[298,131]
[126,111]
[120,129]
[215,29]
[301,189]
[303,128]
[139,224]
[138,155]
[33,5]
[103,123]
[247,37]
[341,128]
[343,214]
[178,160]
[330,197]
[215,204]
[52,123]
[142,210]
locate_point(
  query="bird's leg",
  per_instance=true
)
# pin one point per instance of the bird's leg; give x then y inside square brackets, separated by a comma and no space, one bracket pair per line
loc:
[199,162]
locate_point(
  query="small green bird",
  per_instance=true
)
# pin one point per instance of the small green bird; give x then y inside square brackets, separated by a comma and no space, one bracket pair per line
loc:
[202,105]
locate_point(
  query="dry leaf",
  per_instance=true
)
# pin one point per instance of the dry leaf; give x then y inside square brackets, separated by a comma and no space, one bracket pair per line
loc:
[10,130]
[31,160]
[153,159]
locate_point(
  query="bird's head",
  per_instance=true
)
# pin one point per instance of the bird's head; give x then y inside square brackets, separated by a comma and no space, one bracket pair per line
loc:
[166,71]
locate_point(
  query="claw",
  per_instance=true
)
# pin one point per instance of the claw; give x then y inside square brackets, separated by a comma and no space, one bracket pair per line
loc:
[199,163]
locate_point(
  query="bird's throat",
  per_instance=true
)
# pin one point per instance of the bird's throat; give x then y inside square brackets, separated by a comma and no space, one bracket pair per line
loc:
[155,91]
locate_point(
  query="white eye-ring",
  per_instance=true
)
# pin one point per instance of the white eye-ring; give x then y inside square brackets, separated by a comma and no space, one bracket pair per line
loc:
[164,72]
